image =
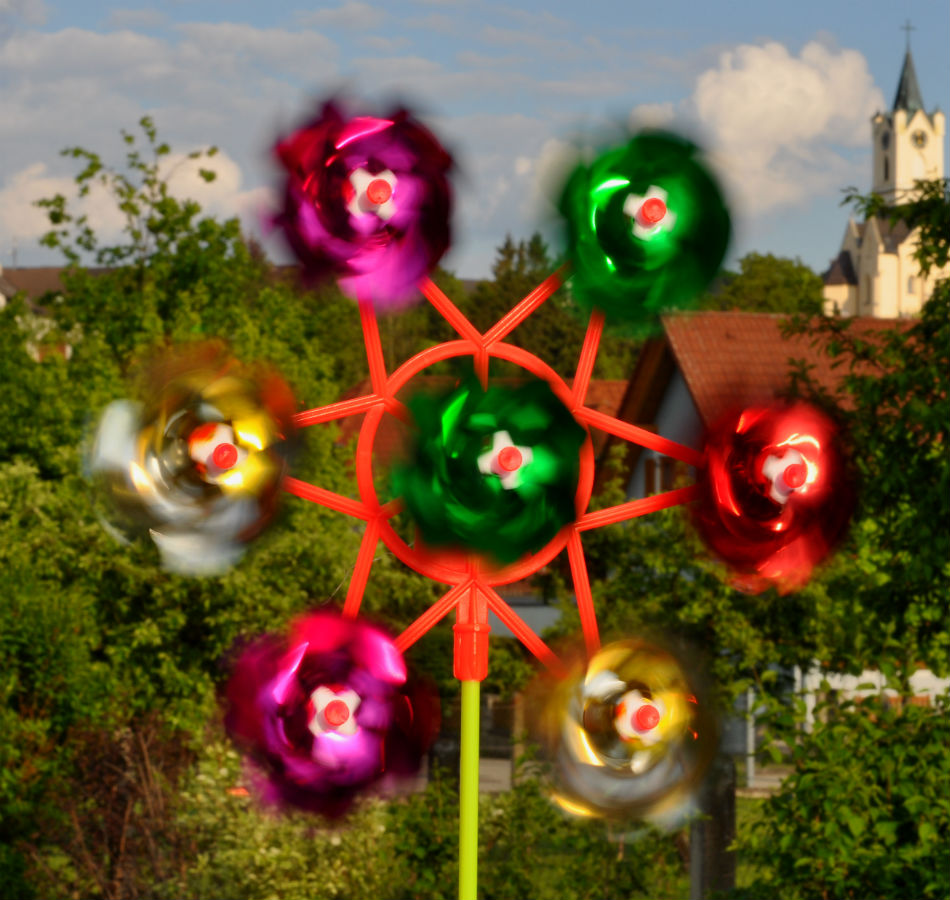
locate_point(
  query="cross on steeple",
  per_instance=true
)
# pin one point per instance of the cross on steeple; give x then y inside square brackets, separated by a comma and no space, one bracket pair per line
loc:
[908,28]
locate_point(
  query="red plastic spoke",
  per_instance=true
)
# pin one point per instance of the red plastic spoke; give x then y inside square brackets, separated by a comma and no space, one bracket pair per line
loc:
[522,630]
[585,365]
[517,314]
[432,616]
[374,349]
[326,498]
[585,600]
[637,508]
[335,411]
[641,436]
[450,312]
[364,561]
[392,508]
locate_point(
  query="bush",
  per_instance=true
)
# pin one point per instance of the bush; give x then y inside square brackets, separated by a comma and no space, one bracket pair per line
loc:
[865,812]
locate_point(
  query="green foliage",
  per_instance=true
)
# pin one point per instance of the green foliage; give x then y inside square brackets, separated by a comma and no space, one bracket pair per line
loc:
[767,283]
[926,207]
[894,402]
[569,857]
[95,635]
[555,331]
[156,223]
[865,812]
[406,849]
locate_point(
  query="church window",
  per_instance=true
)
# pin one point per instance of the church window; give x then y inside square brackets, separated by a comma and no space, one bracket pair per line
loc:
[887,171]
[910,284]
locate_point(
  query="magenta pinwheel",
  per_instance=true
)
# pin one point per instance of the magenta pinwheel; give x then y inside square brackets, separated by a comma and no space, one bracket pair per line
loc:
[366,199]
[325,713]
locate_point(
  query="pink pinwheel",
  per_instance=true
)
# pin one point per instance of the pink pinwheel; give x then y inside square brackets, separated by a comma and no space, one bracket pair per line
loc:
[326,713]
[366,199]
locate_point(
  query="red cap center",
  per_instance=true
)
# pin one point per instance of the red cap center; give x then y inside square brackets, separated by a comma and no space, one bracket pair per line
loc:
[646,718]
[224,455]
[509,459]
[651,211]
[379,191]
[336,713]
[794,475]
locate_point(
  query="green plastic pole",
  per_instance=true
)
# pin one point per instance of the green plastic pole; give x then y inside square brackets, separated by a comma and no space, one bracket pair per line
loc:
[468,793]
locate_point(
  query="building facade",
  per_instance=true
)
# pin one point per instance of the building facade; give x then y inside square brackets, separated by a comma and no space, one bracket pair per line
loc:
[875,273]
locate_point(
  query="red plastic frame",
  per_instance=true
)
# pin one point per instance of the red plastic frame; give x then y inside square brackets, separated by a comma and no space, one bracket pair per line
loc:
[472,580]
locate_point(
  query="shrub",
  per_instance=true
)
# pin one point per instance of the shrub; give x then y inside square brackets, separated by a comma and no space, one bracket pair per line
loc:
[865,812]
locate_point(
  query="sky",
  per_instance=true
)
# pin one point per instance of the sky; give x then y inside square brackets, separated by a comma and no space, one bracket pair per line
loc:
[780,96]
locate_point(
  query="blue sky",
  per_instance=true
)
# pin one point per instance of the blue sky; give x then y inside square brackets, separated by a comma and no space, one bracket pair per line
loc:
[780,94]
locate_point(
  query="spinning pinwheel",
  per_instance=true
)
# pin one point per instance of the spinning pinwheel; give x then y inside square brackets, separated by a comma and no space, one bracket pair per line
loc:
[499,478]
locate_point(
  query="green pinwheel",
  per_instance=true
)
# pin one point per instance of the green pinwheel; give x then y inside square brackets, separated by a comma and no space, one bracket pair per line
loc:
[491,471]
[647,228]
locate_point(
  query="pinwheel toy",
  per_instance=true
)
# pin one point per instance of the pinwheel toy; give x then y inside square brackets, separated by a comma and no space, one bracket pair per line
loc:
[647,227]
[197,463]
[628,732]
[497,479]
[775,495]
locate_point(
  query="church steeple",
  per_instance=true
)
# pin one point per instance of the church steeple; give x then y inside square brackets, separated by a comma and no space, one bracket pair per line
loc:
[908,91]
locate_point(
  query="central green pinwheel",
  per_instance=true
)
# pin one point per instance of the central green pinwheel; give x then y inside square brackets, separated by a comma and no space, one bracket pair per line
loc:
[491,471]
[647,228]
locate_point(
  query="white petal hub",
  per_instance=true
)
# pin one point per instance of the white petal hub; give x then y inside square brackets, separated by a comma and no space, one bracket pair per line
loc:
[215,451]
[638,718]
[334,711]
[366,191]
[786,474]
[506,460]
[643,211]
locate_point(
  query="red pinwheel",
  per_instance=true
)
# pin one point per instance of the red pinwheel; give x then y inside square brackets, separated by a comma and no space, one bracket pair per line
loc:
[775,494]
[366,199]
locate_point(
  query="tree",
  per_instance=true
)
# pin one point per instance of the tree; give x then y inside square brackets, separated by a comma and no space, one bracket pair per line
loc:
[894,403]
[767,283]
[556,330]
[864,812]
[96,636]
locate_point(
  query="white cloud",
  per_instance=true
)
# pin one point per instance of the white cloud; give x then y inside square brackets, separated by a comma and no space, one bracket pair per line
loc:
[30,12]
[352,14]
[652,115]
[22,220]
[778,124]
[523,165]
[136,18]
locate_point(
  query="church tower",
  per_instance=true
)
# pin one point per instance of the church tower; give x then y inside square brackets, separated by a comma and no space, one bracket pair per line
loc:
[875,274]
[908,143]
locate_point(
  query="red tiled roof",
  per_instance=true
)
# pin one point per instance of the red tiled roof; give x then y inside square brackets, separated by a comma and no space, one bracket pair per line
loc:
[732,358]
[37,281]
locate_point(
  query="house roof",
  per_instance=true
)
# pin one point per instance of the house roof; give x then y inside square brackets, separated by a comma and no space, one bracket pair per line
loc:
[908,96]
[841,270]
[892,235]
[727,359]
[35,282]
[7,289]
[731,359]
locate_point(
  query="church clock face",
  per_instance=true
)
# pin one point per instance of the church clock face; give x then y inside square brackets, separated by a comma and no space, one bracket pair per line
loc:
[919,138]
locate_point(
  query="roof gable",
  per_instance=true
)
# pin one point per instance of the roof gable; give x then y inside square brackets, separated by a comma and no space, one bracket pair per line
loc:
[731,359]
